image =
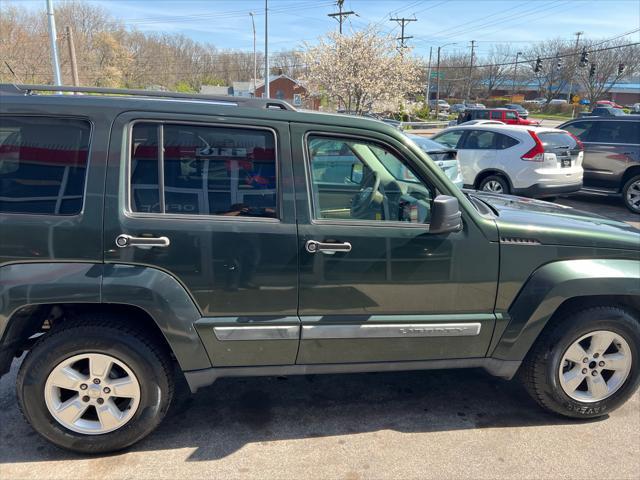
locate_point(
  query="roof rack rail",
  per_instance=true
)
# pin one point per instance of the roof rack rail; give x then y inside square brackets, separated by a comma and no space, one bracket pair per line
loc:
[250,102]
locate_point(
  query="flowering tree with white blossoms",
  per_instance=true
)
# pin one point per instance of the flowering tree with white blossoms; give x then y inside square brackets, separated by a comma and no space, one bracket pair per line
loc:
[362,71]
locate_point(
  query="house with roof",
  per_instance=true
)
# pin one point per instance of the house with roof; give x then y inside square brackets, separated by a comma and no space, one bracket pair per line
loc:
[286,88]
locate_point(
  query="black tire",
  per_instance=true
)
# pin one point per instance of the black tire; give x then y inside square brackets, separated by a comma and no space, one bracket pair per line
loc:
[635,183]
[504,183]
[146,358]
[540,370]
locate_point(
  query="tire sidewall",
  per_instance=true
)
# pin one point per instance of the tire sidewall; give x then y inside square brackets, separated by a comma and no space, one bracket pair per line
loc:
[41,361]
[503,181]
[568,405]
[625,188]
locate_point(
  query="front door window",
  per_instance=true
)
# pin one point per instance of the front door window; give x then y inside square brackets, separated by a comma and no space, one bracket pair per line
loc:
[359,180]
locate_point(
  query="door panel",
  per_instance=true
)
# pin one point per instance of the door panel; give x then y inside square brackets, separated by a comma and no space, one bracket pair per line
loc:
[400,293]
[233,251]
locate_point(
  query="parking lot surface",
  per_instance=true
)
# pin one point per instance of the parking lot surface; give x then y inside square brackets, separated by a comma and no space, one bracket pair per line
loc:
[449,424]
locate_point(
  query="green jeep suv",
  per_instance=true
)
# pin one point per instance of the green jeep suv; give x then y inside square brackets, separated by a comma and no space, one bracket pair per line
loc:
[144,234]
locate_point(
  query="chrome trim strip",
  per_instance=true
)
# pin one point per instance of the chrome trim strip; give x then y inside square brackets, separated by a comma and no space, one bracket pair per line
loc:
[408,330]
[262,332]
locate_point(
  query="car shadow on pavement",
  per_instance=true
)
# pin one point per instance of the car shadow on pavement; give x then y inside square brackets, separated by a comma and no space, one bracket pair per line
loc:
[234,412]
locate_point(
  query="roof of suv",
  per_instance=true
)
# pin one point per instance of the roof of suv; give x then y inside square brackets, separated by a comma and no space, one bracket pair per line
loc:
[504,128]
[14,97]
[617,118]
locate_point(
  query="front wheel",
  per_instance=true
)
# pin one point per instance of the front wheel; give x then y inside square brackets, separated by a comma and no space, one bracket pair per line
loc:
[95,386]
[586,365]
[631,194]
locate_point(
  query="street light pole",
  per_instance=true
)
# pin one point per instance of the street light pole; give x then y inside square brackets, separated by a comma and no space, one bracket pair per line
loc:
[573,71]
[428,96]
[54,47]
[255,57]
[515,76]
[266,49]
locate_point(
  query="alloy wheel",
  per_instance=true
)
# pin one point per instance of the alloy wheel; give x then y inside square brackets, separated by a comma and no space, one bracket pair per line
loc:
[92,393]
[595,366]
[633,195]
[493,186]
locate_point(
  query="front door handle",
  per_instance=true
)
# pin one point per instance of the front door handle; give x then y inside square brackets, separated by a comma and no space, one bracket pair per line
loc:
[123,241]
[329,248]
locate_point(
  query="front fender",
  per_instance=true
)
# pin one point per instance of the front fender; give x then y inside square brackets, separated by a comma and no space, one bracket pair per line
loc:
[552,284]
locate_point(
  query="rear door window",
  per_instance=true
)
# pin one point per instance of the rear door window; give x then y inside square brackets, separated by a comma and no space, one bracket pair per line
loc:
[480,140]
[203,170]
[496,115]
[43,164]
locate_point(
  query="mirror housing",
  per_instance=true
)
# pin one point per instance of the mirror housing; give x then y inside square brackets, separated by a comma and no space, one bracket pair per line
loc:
[445,215]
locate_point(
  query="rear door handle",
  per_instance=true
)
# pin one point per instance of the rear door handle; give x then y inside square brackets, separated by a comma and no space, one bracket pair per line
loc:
[328,248]
[123,241]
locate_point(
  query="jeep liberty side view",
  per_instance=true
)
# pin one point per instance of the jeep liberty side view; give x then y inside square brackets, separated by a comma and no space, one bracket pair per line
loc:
[143,231]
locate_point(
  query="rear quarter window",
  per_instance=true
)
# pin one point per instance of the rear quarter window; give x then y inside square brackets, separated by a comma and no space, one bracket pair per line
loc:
[43,164]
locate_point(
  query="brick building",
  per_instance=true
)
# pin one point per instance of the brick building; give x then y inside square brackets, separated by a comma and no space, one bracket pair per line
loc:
[286,88]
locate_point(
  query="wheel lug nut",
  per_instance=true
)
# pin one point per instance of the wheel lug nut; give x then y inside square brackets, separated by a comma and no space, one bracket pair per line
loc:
[85,398]
[601,363]
[100,401]
[83,386]
[594,373]
[106,390]
[584,371]
[585,360]
[96,381]
[596,355]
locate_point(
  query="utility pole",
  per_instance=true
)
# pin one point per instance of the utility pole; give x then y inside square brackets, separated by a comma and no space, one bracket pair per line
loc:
[402,22]
[473,45]
[255,56]
[52,40]
[573,72]
[428,95]
[438,84]
[515,76]
[438,79]
[72,57]
[266,49]
[340,15]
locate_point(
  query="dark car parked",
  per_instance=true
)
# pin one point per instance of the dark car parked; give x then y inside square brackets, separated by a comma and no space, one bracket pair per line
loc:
[611,156]
[146,235]
[603,112]
[522,112]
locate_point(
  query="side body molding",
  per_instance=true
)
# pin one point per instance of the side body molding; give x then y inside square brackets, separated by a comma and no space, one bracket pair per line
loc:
[552,284]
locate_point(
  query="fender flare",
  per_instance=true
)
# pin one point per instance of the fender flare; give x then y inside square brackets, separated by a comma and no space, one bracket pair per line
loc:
[156,292]
[552,284]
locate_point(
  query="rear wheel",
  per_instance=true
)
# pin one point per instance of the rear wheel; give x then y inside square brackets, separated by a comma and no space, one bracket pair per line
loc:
[495,184]
[95,386]
[631,194]
[586,365]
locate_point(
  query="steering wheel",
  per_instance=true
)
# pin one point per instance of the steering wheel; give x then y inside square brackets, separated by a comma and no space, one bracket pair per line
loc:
[366,196]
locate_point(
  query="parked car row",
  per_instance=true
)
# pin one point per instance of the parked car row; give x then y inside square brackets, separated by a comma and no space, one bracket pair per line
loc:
[596,155]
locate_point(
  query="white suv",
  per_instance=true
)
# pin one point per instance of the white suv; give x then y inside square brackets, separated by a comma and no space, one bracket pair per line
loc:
[528,161]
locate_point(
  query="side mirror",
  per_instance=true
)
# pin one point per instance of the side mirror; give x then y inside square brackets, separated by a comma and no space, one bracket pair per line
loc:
[445,215]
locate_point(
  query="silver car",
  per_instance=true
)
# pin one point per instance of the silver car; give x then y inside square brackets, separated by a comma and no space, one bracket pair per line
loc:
[445,157]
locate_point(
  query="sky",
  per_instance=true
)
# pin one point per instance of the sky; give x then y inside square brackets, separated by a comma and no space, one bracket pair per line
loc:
[227,23]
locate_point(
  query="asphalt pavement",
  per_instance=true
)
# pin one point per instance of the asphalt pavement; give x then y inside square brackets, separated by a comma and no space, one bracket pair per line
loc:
[414,425]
